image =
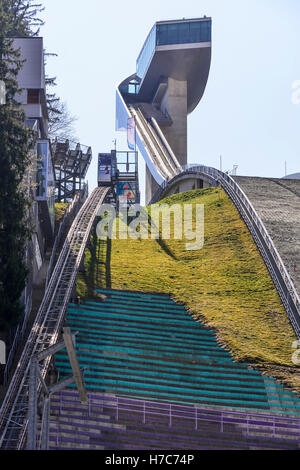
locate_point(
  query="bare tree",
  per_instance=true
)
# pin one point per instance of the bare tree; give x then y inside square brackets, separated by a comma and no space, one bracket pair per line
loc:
[61,122]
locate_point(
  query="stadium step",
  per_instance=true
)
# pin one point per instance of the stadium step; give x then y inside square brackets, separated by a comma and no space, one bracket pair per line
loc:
[145,345]
[127,429]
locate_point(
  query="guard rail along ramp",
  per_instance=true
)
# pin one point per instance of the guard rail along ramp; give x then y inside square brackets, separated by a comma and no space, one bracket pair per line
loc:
[151,142]
[260,235]
[72,209]
[48,323]
[156,143]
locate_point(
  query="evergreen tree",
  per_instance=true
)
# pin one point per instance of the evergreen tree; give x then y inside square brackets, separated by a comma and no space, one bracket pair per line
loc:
[16,143]
[24,20]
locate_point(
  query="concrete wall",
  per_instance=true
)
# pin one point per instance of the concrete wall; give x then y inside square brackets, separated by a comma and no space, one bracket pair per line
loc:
[188,184]
[32,73]
[151,186]
[32,76]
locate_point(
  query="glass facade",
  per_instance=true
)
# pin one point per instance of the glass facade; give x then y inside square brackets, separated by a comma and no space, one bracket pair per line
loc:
[146,53]
[183,32]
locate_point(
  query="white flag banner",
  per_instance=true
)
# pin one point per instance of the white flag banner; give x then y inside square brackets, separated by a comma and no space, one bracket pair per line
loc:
[131,133]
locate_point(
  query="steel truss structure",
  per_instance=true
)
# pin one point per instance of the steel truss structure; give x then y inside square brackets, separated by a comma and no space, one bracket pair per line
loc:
[48,325]
[48,391]
[71,163]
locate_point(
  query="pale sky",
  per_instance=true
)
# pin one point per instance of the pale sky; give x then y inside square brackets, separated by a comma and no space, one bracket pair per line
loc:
[246,114]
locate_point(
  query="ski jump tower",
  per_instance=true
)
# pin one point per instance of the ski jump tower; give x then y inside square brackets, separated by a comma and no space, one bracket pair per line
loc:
[170,79]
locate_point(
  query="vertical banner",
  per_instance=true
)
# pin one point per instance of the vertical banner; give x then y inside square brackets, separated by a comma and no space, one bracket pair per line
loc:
[131,133]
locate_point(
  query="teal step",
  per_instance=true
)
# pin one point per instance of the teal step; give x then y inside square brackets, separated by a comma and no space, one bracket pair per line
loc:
[143,309]
[159,346]
[115,386]
[152,353]
[127,316]
[144,336]
[186,391]
[141,327]
[148,306]
[146,345]
[172,378]
[206,371]
[154,325]
[136,294]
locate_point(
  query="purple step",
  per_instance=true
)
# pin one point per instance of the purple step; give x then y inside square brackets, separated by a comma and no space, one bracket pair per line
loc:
[100,426]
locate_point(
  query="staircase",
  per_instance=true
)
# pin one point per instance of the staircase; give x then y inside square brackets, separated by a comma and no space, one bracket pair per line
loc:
[143,345]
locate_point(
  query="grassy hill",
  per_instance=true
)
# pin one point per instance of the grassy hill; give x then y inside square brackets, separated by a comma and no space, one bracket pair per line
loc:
[60,209]
[225,284]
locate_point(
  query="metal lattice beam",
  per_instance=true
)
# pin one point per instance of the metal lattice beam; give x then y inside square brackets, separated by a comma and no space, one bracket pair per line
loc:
[48,324]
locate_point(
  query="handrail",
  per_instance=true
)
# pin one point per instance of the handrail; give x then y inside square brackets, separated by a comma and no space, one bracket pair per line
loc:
[48,323]
[165,142]
[154,138]
[195,413]
[153,165]
[150,146]
[79,198]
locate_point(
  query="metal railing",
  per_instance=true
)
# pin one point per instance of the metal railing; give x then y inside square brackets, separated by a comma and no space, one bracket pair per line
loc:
[273,261]
[48,323]
[71,210]
[20,331]
[252,423]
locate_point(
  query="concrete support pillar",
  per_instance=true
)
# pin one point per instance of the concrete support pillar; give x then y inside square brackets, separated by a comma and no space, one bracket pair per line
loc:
[151,186]
[175,103]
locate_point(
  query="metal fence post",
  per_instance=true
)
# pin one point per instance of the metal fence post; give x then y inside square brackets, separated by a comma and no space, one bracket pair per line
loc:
[45,424]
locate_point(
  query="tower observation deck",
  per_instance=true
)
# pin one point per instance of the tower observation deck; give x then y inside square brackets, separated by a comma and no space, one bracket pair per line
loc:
[170,79]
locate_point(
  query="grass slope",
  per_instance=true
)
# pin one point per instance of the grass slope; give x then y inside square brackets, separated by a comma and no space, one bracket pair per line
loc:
[60,209]
[225,284]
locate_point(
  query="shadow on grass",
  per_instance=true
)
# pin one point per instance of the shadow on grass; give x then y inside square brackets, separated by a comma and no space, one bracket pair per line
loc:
[160,241]
[97,272]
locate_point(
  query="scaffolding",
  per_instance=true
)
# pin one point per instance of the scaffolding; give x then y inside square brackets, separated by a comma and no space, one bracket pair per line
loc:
[71,163]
